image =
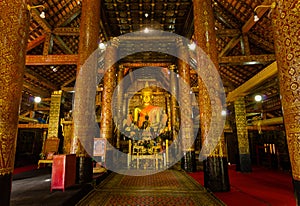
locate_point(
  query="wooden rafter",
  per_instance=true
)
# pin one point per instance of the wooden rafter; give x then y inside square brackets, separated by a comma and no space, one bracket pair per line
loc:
[245,28]
[36,42]
[263,75]
[51,59]
[228,32]
[230,46]
[62,45]
[36,91]
[36,77]
[66,31]
[69,17]
[247,60]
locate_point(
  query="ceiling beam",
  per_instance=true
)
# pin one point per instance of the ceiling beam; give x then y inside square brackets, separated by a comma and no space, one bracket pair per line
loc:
[37,78]
[228,32]
[42,22]
[245,28]
[230,46]
[68,82]
[259,78]
[267,46]
[62,45]
[247,60]
[146,64]
[69,17]
[35,91]
[35,42]
[264,128]
[51,59]
[66,31]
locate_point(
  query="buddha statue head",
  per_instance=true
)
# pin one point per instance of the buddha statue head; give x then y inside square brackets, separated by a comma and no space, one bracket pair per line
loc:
[147,95]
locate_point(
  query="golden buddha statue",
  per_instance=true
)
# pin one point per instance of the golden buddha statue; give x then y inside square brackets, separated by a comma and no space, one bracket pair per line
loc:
[147,116]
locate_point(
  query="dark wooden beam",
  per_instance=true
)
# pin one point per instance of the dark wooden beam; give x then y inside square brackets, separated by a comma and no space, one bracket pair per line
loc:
[69,17]
[260,41]
[29,74]
[51,59]
[230,46]
[247,60]
[35,90]
[228,32]
[66,31]
[62,45]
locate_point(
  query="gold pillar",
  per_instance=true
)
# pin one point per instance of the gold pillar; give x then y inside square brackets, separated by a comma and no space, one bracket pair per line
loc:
[88,43]
[286,37]
[205,36]
[54,116]
[109,84]
[14,26]
[173,90]
[242,135]
[120,100]
[187,137]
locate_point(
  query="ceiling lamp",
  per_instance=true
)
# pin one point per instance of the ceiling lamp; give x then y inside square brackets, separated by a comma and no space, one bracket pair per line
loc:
[42,15]
[146,15]
[146,30]
[37,99]
[258,98]
[255,17]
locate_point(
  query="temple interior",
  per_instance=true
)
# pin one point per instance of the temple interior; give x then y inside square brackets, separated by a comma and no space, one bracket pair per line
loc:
[95,92]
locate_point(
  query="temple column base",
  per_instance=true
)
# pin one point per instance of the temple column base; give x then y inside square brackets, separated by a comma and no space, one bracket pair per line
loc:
[216,177]
[296,184]
[5,184]
[84,170]
[244,163]
[188,161]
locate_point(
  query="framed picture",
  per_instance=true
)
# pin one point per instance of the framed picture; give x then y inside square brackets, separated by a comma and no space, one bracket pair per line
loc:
[99,147]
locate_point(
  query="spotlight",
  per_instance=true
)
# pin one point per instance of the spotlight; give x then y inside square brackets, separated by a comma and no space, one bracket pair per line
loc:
[223,113]
[258,98]
[37,99]
[256,18]
[42,15]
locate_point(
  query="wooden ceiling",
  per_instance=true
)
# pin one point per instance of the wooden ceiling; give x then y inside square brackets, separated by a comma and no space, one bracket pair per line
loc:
[244,47]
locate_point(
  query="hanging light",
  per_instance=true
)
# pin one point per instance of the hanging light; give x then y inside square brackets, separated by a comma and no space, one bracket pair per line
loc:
[37,99]
[258,98]
[255,17]
[42,14]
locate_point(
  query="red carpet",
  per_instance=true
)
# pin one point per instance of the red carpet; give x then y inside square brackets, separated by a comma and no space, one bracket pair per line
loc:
[260,187]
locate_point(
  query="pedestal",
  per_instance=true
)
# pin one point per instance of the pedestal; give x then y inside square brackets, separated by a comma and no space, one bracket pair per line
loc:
[63,171]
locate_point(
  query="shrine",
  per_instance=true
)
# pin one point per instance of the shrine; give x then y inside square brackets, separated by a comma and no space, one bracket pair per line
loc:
[161,102]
